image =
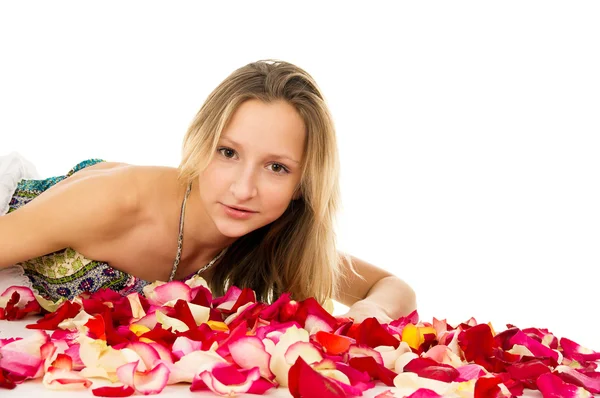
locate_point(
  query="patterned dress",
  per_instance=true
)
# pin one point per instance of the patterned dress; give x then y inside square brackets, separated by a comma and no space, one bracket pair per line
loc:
[67,273]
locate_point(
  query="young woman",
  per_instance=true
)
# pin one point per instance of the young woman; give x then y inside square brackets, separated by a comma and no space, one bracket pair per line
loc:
[252,204]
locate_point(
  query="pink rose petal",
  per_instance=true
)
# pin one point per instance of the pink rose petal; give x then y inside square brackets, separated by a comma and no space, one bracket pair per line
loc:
[551,386]
[574,351]
[168,292]
[147,383]
[249,352]
[227,301]
[226,380]
[183,346]
[589,380]
[424,393]
[470,372]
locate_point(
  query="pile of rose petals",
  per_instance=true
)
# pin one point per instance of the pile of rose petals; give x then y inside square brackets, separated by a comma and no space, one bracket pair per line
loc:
[178,333]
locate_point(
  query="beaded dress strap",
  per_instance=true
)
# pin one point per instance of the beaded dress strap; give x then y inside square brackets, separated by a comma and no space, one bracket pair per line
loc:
[180,240]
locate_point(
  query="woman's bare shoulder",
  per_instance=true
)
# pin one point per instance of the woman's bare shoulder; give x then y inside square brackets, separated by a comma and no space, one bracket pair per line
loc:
[138,181]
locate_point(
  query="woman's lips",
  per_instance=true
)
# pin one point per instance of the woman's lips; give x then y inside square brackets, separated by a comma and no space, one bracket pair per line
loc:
[237,214]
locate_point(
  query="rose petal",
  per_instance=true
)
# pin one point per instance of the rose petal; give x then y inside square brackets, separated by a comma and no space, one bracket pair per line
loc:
[171,323]
[183,346]
[159,293]
[192,364]
[278,365]
[470,372]
[332,343]
[552,386]
[312,317]
[25,295]
[536,348]
[148,382]
[590,380]
[22,357]
[226,380]
[62,379]
[117,391]
[372,334]
[374,369]
[477,344]
[358,379]
[309,353]
[137,310]
[148,355]
[427,367]
[389,355]
[424,393]
[418,337]
[51,321]
[249,352]
[576,352]
[528,372]
[490,386]
[304,381]
[409,382]
[356,351]
[228,300]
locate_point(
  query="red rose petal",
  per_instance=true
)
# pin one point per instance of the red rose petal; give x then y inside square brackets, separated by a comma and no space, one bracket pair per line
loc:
[375,370]
[487,387]
[310,311]
[478,345]
[6,381]
[428,368]
[304,381]
[528,372]
[371,333]
[120,391]
[201,296]
[332,343]
[51,320]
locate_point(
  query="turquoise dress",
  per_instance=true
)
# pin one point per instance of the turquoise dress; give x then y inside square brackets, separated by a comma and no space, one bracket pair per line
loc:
[67,273]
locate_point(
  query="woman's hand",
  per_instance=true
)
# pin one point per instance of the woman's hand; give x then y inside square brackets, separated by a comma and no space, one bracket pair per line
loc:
[364,309]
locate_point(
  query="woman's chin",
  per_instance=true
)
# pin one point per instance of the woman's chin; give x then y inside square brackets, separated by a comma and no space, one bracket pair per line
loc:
[231,230]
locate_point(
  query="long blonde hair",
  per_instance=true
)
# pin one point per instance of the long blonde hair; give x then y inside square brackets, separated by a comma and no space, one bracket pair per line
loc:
[297,252]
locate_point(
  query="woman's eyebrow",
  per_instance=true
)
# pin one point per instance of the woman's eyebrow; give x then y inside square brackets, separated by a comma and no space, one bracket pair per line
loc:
[271,155]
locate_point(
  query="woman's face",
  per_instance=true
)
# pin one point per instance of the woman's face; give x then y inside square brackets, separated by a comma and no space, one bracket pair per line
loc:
[256,167]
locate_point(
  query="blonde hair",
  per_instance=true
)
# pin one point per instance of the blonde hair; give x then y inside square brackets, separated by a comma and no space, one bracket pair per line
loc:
[297,252]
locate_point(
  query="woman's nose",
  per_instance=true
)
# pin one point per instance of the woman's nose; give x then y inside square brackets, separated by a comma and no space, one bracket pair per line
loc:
[244,185]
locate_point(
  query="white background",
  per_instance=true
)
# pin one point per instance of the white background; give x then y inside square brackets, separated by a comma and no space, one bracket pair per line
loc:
[468,131]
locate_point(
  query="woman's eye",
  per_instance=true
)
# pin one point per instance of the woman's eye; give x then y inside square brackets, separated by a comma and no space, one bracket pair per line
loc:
[279,168]
[227,152]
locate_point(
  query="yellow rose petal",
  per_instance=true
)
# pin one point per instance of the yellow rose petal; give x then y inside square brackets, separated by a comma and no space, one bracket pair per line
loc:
[216,325]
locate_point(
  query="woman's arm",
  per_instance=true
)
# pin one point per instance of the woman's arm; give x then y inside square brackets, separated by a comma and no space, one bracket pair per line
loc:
[378,293]
[70,214]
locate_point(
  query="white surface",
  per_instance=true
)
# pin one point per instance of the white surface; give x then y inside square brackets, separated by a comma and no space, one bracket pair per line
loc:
[468,131]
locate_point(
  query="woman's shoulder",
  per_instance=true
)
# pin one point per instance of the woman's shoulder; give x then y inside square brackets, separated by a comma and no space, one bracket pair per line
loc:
[137,183]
